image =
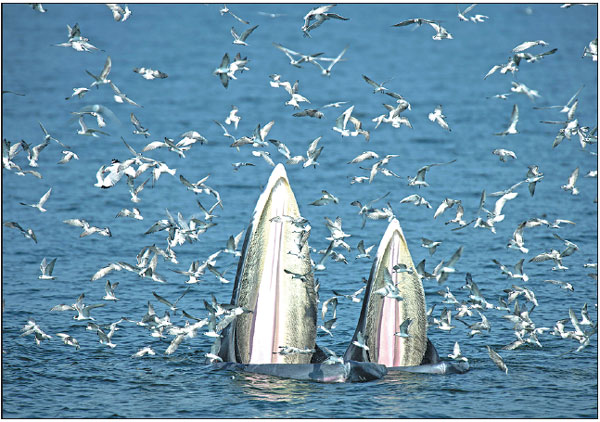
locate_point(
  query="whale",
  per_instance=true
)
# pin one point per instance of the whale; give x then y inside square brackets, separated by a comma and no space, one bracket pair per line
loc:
[275,285]
[382,315]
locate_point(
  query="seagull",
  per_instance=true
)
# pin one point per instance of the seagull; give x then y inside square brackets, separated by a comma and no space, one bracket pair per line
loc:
[150,73]
[403,329]
[521,88]
[445,321]
[528,44]
[110,291]
[416,200]
[48,137]
[514,118]
[360,341]
[33,153]
[68,156]
[311,112]
[41,202]
[444,205]
[430,244]
[225,9]
[103,77]
[456,353]
[46,269]
[144,351]
[312,153]
[570,246]
[29,234]
[518,270]
[87,229]
[326,198]
[376,87]
[38,7]
[366,155]
[504,154]
[497,359]
[327,71]
[88,131]
[553,255]
[76,41]
[83,311]
[438,117]
[68,340]
[362,251]
[241,39]
[139,129]
[304,58]
[319,14]
[562,284]
[419,179]
[591,50]
[133,213]
[114,173]
[570,186]
[79,92]
[233,117]
[172,306]
[232,244]
[33,328]
[389,290]
[120,97]
[119,14]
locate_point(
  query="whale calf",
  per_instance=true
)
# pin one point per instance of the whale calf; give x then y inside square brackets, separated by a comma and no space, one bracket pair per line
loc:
[274,282]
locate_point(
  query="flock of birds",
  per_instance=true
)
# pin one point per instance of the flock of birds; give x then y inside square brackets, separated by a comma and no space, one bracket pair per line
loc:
[139,169]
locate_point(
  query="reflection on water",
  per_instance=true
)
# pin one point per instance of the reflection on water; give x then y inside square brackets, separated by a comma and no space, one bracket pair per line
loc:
[274,389]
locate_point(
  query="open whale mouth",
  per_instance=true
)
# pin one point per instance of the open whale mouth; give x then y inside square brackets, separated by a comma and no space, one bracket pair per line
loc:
[274,281]
[383,313]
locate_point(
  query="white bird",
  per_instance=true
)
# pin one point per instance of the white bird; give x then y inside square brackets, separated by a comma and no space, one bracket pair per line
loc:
[83,311]
[225,9]
[46,269]
[110,291]
[362,251]
[319,15]
[326,198]
[504,154]
[512,127]
[416,200]
[430,244]
[29,234]
[521,88]
[48,137]
[438,117]
[103,77]
[150,74]
[518,270]
[88,131]
[121,97]
[570,185]
[68,340]
[79,92]
[497,359]
[327,71]
[419,179]
[562,284]
[376,87]
[528,44]
[119,14]
[41,202]
[456,353]
[87,229]
[33,328]
[144,351]
[403,329]
[233,117]
[241,39]
[68,156]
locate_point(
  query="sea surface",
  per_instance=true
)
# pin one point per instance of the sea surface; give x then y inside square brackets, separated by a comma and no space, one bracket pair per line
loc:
[187,42]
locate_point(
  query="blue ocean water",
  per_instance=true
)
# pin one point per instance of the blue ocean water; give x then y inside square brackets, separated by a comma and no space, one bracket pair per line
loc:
[187,42]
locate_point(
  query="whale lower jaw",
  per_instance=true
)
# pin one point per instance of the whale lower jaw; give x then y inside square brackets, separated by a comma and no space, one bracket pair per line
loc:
[381,316]
[283,306]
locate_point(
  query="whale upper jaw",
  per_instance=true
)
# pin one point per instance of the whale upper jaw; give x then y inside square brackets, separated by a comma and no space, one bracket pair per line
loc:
[284,308]
[381,316]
